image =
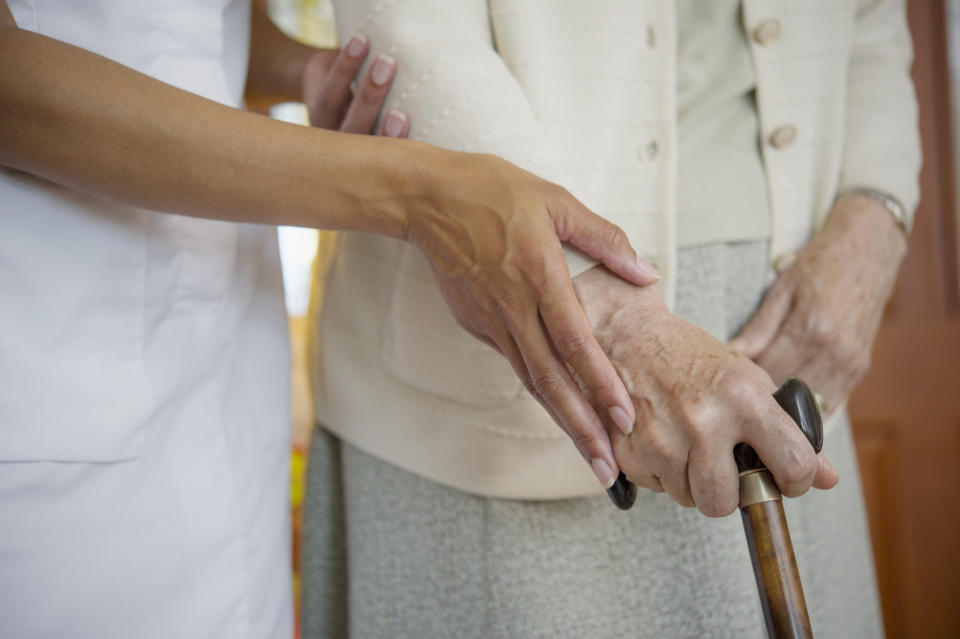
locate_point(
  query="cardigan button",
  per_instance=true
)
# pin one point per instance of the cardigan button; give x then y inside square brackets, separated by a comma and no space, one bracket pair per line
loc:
[783,136]
[784,261]
[767,31]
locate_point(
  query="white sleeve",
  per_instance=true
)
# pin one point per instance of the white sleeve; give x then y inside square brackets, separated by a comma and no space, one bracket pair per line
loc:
[882,144]
[453,85]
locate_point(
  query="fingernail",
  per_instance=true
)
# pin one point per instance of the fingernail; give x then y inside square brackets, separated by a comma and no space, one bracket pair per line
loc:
[356,46]
[394,123]
[603,472]
[383,66]
[621,419]
[646,270]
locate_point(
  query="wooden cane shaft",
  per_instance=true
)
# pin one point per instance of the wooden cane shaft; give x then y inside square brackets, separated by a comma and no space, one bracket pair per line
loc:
[775,568]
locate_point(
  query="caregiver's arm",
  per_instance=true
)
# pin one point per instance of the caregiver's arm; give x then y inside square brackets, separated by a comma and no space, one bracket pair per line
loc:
[460,95]
[820,318]
[492,230]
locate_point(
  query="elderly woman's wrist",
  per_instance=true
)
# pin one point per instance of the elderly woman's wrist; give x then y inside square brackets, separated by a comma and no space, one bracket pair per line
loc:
[611,303]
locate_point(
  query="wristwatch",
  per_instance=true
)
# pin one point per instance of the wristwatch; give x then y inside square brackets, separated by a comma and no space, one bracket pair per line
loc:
[886,201]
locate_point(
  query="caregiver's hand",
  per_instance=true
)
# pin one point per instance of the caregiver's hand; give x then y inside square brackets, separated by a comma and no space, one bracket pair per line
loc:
[695,398]
[332,104]
[492,233]
[820,317]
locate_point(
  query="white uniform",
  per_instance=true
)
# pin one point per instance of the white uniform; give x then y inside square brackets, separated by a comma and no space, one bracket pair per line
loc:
[144,391]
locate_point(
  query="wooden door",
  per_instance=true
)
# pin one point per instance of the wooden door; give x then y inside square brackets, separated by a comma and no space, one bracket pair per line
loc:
[906,414]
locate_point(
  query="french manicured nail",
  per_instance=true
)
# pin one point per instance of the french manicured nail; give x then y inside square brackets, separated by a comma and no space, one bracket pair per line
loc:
[603,472]
[383,66]
[357,46]
[621,419]
[394,123]
[646,270]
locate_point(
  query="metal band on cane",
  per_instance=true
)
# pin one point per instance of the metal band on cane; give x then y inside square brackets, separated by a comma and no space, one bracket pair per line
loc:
[757,486]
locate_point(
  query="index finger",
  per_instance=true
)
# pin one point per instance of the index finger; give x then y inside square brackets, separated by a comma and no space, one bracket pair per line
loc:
[573,340]
[783,448]
[551,384]
[329,100]
[600,239]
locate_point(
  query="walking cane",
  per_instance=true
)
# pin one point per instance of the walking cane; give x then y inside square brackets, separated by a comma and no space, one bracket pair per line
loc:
[761,506]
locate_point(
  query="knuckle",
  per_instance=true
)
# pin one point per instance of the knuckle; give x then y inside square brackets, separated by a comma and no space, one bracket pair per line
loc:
[586,443]
[549,385]
[738,387]
[509,304]
[571,344]
[720,505]
[821,328]
[371,96]
[695,413]
[799,468]
[344,69]
[531,388]
[727,500]
[615,236]
[655,442]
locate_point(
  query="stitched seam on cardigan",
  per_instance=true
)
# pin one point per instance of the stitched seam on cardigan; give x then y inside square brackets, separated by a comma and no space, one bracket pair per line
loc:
[447,112]
[514,434]
[494,429]
[513,130]
[483,70]
[487,391]
[624,78]
[560,25]
[634,123]
[380,8]
[458,340]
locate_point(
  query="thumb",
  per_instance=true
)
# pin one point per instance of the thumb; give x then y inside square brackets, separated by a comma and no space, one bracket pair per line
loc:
[826,477]
[601,240]
[764,325]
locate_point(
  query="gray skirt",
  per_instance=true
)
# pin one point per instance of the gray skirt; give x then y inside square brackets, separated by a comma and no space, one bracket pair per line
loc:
[389,554]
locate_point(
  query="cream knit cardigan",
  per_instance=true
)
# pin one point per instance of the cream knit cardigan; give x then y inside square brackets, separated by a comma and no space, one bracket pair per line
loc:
[581,93]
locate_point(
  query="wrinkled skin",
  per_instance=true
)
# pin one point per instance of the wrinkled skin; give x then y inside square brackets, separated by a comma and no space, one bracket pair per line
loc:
[522,302]
[819,319]
[695,399]
[492,235]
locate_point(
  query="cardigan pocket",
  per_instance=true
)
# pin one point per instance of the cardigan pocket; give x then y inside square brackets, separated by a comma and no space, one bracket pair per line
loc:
[424,347]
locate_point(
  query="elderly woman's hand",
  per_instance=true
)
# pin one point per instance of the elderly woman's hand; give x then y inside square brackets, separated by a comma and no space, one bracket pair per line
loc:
[492,234]
[695,399]
[820,317]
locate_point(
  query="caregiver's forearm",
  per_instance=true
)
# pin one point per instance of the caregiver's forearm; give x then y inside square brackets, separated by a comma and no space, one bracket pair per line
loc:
[91,124]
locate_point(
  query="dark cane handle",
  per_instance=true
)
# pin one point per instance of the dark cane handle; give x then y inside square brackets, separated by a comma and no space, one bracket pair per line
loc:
[795,397]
